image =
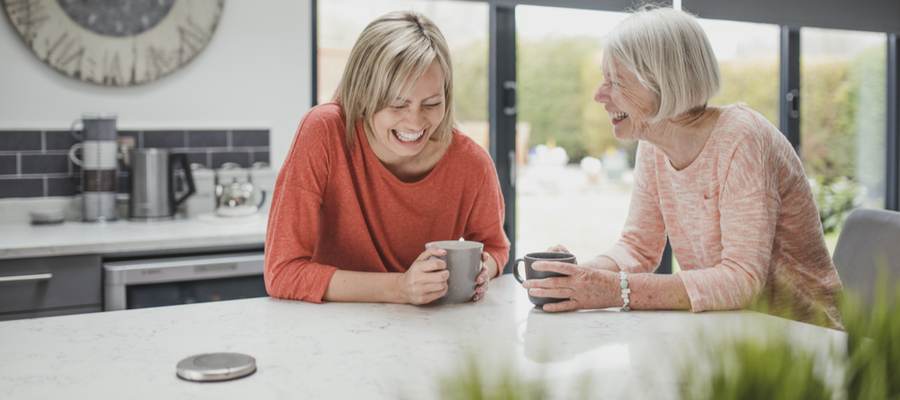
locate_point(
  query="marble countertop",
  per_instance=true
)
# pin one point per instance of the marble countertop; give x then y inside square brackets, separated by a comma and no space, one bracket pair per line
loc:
[19,240]
[355,350]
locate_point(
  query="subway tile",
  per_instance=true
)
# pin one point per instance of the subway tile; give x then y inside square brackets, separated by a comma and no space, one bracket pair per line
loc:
[20,140]
[219,158]
[31,187]
[7,165]
[163,139]
[45,164]
[60,140]
[250,138]
[197,158]
[261,156]
[207,139]
[63,186]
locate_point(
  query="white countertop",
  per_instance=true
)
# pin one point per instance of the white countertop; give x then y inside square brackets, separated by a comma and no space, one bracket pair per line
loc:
[19,240]
[354,350]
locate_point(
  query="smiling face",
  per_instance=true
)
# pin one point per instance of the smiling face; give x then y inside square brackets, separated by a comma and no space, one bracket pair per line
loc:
[628,103]
[403,128]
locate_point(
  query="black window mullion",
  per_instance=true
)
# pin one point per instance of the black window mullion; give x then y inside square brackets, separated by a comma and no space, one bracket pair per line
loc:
[502,112]
[892,140]
[789,102]
[314,57]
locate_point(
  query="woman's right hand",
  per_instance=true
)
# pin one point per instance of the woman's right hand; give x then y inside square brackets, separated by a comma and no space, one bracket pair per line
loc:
[600,262]
[426,280]
[558,249]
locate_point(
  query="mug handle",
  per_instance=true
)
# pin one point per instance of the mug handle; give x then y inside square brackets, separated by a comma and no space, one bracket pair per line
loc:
[74,132]
[516,270]
[72,157]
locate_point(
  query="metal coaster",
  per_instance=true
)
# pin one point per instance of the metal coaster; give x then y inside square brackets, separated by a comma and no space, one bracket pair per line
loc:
[211,367]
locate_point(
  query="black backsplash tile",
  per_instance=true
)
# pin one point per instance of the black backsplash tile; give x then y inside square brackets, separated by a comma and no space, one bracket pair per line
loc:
[198,158]
[207,139]
[163,139]
[7,165]
[250,138]
[63,186]
[20,140]
[60,140]
[45,164]
[24,155]
[32,187]
[219,158]
[261,156]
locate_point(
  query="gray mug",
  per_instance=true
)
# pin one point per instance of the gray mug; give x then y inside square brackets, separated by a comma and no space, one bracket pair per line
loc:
[463,260]
[530,273]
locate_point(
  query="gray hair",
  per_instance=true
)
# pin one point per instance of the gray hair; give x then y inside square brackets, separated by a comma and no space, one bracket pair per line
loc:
[393,50]
[671,56]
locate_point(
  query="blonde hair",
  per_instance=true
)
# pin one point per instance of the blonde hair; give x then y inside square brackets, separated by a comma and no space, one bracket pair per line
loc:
[393,50]
[671,56]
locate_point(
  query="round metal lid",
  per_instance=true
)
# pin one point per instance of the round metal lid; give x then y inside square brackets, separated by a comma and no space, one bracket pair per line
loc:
[212,367]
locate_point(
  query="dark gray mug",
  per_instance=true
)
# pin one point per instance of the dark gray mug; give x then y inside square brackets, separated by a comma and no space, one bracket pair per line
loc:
[530,273]
[463,260]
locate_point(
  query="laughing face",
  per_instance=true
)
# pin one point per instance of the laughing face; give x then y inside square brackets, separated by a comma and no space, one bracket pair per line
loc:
[404,127]
[626,100]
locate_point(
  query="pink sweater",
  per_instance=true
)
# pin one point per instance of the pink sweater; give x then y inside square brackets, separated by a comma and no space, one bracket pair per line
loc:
[742,222]
[337,208]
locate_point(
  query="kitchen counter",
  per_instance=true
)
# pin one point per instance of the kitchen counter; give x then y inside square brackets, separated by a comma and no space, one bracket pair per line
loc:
[20,240]
[355,350]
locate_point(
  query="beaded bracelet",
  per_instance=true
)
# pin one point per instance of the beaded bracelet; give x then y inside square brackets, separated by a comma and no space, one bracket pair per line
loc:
[623,282]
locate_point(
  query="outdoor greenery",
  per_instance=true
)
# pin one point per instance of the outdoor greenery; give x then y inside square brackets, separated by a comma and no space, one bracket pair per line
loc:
[835,200]
[842,101]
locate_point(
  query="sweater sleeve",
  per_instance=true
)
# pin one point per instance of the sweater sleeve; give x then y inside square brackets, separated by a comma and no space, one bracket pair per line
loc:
[294,215]
[644,235]
[485,224]
[749,208]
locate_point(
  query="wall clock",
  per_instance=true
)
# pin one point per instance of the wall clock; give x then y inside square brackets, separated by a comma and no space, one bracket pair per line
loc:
[115,42]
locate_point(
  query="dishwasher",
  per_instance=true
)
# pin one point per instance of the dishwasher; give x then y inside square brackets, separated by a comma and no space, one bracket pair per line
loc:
[182,280]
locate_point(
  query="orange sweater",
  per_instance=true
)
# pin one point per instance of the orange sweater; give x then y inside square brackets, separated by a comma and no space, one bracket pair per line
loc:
[742,222]
[337,208]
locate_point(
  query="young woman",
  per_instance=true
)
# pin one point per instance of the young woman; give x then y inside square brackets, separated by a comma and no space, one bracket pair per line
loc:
[379,172]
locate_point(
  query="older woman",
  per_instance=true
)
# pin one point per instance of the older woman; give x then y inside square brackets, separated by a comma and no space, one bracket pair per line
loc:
[722,182]
[373,176]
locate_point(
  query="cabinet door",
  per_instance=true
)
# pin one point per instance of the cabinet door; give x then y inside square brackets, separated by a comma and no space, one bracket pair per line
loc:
[46,283]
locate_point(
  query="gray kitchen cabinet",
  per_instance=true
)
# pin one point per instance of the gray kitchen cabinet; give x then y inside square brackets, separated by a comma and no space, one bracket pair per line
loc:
[45,286]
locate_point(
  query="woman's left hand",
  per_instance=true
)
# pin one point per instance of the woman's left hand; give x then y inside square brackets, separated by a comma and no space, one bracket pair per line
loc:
[484,277]
[585,287]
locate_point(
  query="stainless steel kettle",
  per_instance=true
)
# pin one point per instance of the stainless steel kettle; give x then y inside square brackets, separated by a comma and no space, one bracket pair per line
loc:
[160,181]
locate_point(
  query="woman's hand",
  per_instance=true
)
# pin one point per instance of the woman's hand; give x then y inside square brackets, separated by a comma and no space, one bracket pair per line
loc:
[426,280]
[586,287]
[483,277]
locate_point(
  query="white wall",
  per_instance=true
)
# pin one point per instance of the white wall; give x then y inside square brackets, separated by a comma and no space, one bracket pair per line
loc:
[254,73]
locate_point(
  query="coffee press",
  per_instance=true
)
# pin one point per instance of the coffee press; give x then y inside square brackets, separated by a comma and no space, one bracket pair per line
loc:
[98,165]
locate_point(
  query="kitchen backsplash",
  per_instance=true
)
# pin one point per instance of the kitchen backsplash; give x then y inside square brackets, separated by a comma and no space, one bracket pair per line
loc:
[36,163]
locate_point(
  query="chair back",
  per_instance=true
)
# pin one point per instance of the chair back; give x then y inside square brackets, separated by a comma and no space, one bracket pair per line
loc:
[869,241]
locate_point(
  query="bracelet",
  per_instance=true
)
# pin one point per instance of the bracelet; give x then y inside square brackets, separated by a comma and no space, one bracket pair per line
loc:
[623,282]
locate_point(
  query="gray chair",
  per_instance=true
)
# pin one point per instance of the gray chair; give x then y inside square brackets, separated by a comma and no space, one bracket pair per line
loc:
[869,241]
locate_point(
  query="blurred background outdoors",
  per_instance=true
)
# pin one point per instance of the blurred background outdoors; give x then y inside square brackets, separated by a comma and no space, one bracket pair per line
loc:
[574,178]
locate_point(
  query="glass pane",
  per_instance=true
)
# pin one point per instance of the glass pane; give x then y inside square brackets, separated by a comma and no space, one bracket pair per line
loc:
[842,123]
[573,184]
[464,25]
[748,56]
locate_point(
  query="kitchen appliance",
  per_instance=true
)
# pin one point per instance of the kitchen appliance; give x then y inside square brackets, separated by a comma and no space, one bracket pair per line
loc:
[158,184]
[182,280]
[237,199]
[98,165]
[203,201]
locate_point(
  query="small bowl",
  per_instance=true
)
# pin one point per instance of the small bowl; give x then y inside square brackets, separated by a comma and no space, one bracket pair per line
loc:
[47,217]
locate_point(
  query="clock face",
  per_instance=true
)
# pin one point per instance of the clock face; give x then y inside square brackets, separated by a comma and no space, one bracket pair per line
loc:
[112,42]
